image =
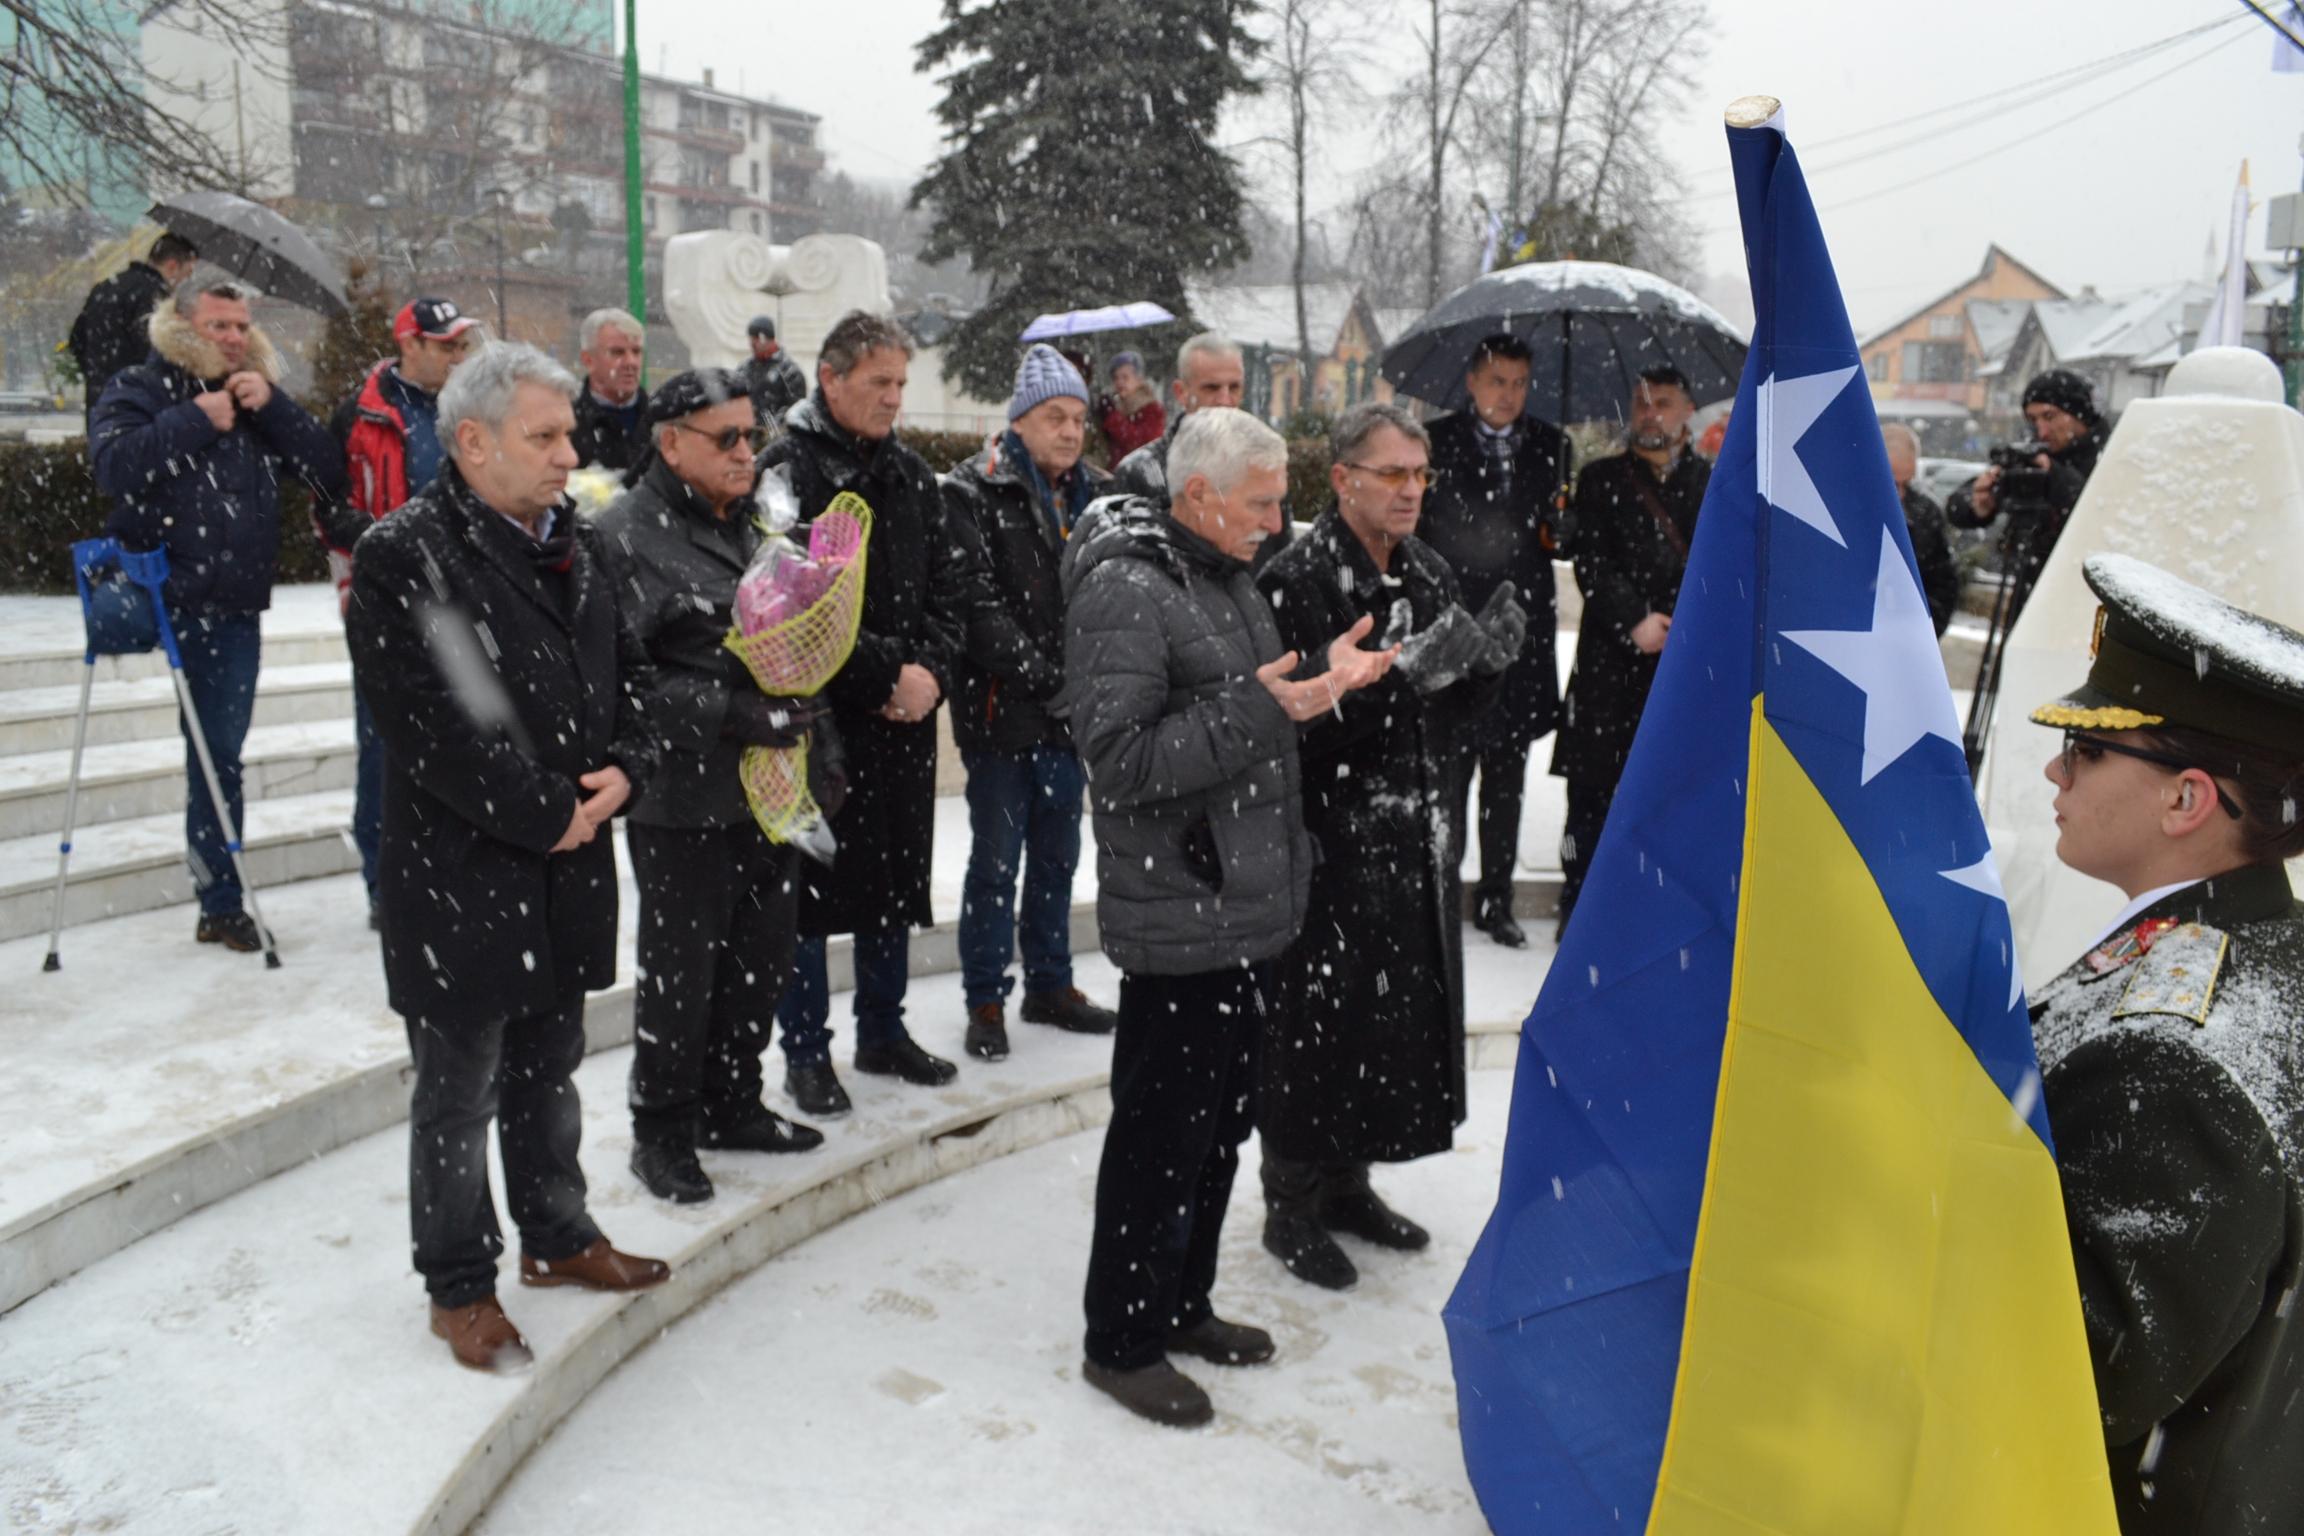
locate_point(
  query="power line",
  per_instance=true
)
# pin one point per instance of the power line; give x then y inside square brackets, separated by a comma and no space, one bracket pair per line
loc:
[2033,133]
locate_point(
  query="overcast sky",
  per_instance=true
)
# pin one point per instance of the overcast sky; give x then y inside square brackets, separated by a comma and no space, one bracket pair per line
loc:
[2119,197]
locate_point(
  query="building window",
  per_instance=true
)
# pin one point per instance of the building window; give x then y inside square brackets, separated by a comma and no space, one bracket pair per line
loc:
[648,212]
[1935,362]
[1944,327]
[1876,367]
[759,225]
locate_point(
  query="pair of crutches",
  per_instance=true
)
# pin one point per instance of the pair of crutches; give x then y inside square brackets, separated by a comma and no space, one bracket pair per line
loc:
[125,615]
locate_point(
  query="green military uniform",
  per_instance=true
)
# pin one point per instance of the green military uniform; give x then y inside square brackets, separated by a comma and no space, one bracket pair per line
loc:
[2172,1057]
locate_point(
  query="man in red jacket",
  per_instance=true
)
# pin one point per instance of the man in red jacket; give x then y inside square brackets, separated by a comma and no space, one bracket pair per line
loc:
[391,451]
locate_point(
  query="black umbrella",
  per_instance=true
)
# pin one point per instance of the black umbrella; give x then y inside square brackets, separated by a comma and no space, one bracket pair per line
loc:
[251,241]
[1592,325]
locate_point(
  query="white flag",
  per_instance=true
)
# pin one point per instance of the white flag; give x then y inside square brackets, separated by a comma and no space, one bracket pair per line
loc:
[2228,310]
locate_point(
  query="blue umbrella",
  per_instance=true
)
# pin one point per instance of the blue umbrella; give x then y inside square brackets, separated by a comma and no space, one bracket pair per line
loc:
[1112,317]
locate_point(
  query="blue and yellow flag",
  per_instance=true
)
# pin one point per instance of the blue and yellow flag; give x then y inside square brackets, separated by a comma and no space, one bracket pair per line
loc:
[1779,1246]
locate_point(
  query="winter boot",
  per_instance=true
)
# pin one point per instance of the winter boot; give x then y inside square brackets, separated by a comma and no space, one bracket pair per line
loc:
[905,1059]
[1069,1010]
[988,1032]
[1492,915]
[670,1172]
[236,931]
[1292,1230]
[1348,1204]
[1221,1343]
[815,1087]
[750,1126]
[1158,1392]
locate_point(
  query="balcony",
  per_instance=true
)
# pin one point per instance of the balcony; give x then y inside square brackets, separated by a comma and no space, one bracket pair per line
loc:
[799,157]
[728,197]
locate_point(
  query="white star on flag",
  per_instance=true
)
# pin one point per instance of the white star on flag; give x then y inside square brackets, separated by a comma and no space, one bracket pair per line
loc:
[1897,664]
[1983,877]
[1788,408]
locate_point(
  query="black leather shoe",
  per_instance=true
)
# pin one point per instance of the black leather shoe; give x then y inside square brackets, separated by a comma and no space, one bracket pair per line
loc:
[1221,1343]
[816,1089]
[987,1032]
[236,931]
[1359,1211]
[1492,915]
[756,1128]
[1158,1392]
[1311,1255]
[905,1059]
[671,1173]
[1068,1010]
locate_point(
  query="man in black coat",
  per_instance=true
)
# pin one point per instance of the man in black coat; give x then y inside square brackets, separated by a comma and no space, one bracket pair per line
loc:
[1209,372]
[771,378]
[1364,1060]
[718,900]
[917,590]
[192,444]
[2060,408]
[1011,508]
[1924,522]
[612,411]
[2171,1058]
[1497,476]
[111,332]
[1635,514]
[486,641]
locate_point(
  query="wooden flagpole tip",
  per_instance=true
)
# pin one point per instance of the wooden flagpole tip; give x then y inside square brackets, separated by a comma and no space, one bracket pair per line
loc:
[1752,111]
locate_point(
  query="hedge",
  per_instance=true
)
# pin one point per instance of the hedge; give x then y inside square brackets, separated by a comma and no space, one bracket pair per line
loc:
[48,500]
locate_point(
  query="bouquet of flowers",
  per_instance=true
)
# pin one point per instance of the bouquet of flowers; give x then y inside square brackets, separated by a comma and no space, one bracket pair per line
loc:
[796,616]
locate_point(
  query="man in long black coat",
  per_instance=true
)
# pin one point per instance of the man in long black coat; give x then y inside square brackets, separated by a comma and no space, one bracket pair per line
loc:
[1635,515]
[917,589]
[487,644]
[1496,476]
[1364,1060]
[110,332]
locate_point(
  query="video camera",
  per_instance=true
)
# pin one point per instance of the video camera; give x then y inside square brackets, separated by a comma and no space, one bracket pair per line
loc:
[2022,489]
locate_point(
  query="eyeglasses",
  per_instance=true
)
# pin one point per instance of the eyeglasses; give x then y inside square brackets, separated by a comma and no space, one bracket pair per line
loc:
[2080,747]
[726,439]
[1396,475]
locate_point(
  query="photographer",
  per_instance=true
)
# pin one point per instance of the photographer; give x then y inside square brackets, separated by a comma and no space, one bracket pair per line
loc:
[2036,484]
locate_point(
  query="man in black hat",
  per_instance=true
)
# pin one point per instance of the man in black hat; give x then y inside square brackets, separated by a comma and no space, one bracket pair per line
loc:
[2060,408]
[2171,1053]
[771,378]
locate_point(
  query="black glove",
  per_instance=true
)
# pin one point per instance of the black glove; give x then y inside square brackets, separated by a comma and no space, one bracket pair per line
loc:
[764,720]
[827,767]
[1506,623]
[1453,646]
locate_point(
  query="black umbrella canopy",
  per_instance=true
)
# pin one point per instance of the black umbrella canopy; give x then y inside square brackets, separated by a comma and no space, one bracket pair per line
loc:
[1592,326]
[249,240]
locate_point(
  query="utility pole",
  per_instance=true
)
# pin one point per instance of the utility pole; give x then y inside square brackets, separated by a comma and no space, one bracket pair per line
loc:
[635,232]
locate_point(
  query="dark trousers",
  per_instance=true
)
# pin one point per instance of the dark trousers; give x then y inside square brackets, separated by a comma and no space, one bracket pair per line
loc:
[221,655]
[1503,785]
[883,966]
[1588,802]
[1023,807]
[717,906]
[367,792]
[1183,1099]
[521,1072]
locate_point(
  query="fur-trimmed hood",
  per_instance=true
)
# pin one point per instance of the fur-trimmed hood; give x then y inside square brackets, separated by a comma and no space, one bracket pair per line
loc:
[176,342]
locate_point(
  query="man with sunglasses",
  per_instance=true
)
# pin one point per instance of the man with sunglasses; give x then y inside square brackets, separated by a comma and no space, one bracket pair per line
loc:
[390,431]
[1635,514]
[2172,1058]
[718,900]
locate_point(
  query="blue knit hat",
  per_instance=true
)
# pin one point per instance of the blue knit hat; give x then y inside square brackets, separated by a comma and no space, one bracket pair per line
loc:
[1044,375]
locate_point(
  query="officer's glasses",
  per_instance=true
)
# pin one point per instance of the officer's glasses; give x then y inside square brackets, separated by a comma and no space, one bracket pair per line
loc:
[2080,747]
[726,439]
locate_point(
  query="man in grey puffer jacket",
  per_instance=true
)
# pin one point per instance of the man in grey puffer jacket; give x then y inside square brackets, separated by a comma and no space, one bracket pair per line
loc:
[1184,714]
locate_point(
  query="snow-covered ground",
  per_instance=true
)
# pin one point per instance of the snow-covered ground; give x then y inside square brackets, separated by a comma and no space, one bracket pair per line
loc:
[917,1369]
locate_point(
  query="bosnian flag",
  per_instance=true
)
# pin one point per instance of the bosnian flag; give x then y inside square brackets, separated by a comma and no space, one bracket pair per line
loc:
[1779,1245]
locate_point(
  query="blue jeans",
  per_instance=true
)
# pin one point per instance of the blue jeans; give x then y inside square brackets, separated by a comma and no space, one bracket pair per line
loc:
[367,793]
[883,965]
[1021,805]
[221,655]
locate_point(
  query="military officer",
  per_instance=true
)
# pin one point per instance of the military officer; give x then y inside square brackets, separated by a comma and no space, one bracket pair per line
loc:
[2173,1052]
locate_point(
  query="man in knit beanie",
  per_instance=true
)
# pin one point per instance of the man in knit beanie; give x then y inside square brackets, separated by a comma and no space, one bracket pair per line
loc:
[2033,501]
[1011,508]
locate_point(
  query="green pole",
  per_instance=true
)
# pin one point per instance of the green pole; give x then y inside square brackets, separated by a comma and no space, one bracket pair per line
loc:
[635,225]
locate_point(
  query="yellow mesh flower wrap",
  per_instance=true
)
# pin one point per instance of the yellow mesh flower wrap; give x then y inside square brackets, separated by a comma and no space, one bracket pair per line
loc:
[796,657]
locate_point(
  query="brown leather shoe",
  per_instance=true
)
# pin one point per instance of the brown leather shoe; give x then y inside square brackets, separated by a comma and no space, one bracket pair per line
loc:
[597,1268]
[482,1338]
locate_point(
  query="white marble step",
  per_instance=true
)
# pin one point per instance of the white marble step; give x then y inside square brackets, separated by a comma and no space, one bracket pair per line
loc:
[132,779]
[144,708]
[43,639]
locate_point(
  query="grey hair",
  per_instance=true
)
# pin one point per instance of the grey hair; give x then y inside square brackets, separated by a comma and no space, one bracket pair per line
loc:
[1214,343]
[1222,445]
[1891,431]
[588,334]
[855,336]
[1362,421]
[482,386]
[214,282]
